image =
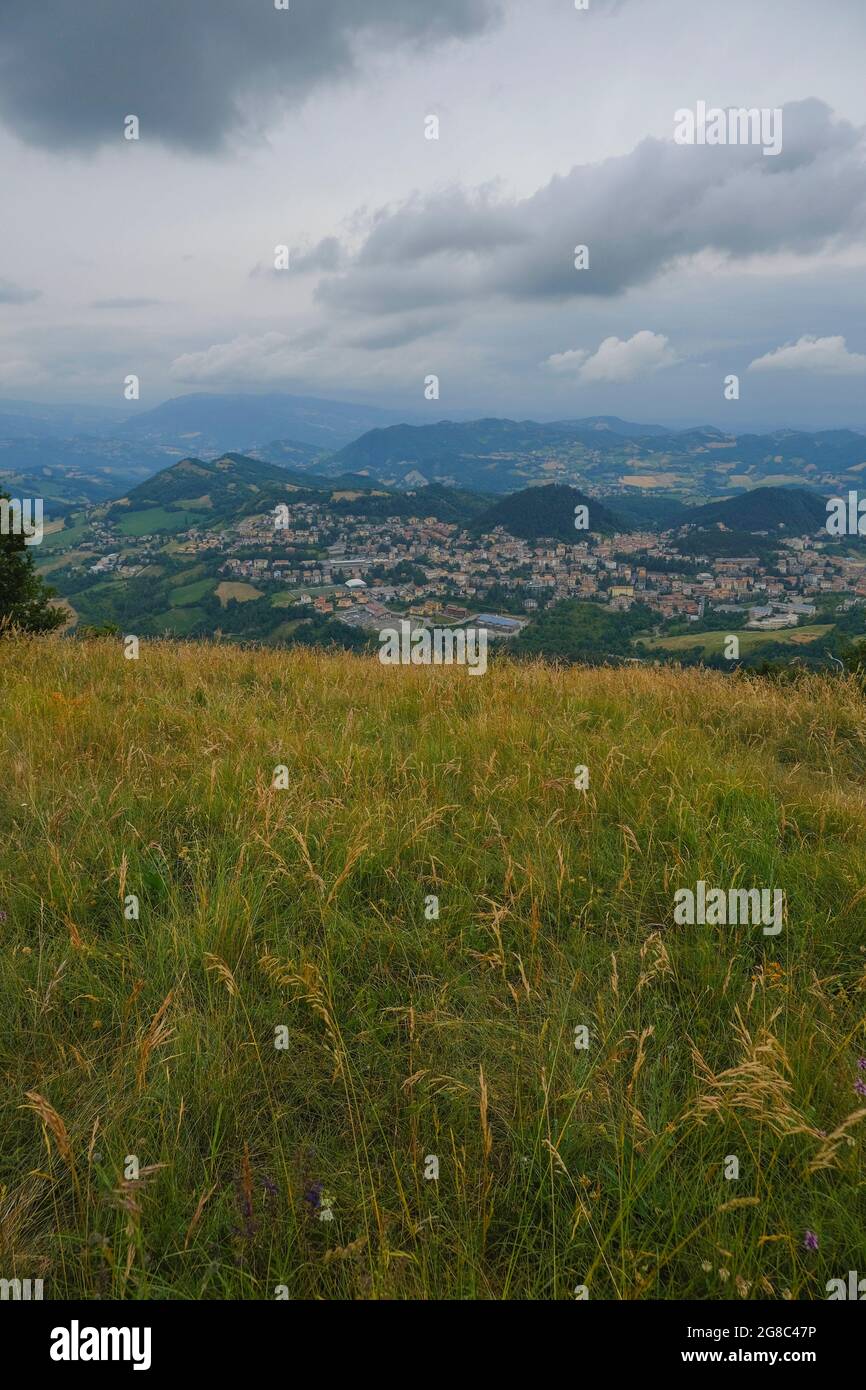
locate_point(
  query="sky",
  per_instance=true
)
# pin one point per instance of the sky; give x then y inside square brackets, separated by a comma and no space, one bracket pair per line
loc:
[412,257]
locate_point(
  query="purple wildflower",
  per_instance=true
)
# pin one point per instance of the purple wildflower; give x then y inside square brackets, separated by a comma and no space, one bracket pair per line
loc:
[860,1087]
[313,1195]
[861,1063]
[810,1241]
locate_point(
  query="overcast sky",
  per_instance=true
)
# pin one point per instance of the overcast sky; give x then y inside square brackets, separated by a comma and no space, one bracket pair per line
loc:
[455,257]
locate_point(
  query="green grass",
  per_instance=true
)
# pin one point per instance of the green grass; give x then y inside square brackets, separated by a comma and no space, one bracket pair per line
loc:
[713,643]
[155,519]
[179,621]
[192,572]
[191,593]
[75,530]
[72,557]
[304,908]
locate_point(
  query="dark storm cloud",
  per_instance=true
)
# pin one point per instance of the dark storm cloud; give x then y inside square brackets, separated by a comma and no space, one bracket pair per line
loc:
[452,222]
[327,255]
[71,72]
[638,214]
[14,294]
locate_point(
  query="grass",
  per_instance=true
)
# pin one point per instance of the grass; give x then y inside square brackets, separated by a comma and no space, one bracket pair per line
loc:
[178,621]
[69,536]
[713,643]
[156,519]
[236,589]
[73,557]
[304,910]
[185,594]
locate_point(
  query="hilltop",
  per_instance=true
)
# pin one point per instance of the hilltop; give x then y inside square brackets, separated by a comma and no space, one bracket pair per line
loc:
[549,512]
[765,509]
[206,493]
[210,486]
[303,918]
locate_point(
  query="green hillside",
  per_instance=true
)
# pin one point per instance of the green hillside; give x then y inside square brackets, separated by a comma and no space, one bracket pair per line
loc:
[215,488]
[209,493]
[537,513]
[285,1028]
[713,643]
[765,509]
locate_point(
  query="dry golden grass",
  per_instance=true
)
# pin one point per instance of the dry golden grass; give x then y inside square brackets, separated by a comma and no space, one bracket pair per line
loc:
[303,910]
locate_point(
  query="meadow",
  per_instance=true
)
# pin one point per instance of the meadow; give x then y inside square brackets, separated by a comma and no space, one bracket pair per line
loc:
[713,643]
[235,1031]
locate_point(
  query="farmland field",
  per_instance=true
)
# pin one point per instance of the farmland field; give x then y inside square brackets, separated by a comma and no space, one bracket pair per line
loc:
[713,643]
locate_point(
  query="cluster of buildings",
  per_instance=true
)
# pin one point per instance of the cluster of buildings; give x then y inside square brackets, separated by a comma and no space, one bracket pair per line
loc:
[452,569]
[369,570]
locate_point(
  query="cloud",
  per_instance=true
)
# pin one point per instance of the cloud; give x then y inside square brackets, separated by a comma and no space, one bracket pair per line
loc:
[327,255]
[565,363]
[20,371]
[194,71]
[400,332]
[122,303]
[14,294]
[639,214]
[617,359]
[267,358]
[828,356]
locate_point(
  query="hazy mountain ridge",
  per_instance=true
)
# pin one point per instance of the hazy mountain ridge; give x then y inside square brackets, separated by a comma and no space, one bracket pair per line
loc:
[334,439]
[503,455]
[220,423]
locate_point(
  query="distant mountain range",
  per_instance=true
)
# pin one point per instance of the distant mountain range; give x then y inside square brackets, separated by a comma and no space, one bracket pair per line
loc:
[30,420]
[627,428]
[72,455]
[492,453]
[502,455]
[70,473]
[210,493]
[221,423]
